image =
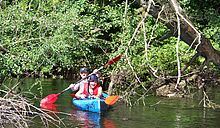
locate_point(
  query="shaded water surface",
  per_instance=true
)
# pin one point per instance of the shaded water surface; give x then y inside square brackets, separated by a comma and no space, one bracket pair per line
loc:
[157,113]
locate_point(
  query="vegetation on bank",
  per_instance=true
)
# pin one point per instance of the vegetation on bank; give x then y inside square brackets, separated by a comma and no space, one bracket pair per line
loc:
[56,38]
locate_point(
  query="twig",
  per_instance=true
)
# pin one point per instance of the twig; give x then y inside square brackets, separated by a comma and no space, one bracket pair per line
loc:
[17,111]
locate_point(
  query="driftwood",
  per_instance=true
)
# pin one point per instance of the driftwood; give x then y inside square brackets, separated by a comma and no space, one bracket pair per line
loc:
[17,112]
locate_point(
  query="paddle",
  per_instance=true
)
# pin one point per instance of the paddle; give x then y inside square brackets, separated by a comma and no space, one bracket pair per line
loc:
[110,100]
[50,99]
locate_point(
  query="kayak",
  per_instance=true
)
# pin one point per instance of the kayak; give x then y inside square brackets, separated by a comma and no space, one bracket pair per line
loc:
[92,105]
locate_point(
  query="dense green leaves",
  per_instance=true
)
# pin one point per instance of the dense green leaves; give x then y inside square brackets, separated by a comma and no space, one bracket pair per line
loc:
[46,37]
[205,14]
[50,37]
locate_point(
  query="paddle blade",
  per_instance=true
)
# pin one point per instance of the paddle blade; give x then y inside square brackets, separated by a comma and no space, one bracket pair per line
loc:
[111,100]
[50,99]
[48,106]
[112,61]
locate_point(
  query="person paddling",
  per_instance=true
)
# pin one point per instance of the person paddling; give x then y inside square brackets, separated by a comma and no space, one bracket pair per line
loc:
[84,72]
[90,89]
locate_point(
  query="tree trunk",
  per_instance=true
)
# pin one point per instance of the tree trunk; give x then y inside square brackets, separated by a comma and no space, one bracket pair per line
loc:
[188,32]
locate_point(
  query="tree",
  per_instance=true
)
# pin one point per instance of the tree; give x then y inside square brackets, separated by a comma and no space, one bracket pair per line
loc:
[172,15]
[180,26]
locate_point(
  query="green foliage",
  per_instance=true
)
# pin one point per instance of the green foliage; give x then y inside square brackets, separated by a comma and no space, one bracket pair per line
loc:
[46,37]
[51,37]
[205,14]
[212,31]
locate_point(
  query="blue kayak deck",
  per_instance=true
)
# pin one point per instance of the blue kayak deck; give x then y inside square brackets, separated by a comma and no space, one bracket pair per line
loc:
[92,105]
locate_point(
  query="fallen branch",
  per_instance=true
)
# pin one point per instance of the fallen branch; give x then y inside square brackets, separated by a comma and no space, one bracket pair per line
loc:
[18,112]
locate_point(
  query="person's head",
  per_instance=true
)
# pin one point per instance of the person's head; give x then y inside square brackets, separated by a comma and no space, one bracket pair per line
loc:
[93,81]
[84,72]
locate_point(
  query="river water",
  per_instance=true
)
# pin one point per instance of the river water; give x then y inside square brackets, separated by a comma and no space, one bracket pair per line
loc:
[158,112]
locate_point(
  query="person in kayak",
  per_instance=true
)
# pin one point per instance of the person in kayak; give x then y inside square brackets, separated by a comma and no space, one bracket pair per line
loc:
[103,81]
[84,72]
[90,89]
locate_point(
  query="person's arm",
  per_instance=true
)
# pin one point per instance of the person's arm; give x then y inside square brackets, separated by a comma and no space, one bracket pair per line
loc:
[98,73]
[80,94]
[99,92]
[74,87]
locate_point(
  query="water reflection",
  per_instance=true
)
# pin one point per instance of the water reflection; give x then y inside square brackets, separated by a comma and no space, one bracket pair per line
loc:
[84,119]
[87,119]
[169,113]
[107,123]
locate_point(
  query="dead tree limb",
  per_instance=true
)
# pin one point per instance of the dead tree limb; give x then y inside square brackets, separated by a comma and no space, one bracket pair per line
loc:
[189,34]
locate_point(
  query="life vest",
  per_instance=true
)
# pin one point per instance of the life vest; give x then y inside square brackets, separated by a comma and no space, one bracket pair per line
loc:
[95,89]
